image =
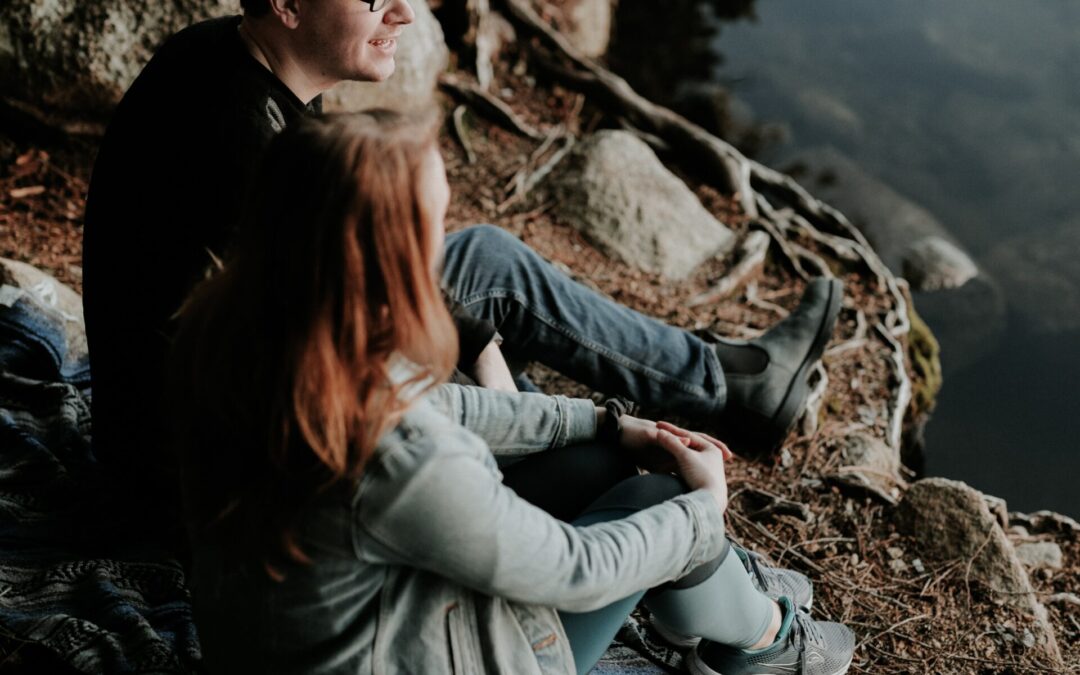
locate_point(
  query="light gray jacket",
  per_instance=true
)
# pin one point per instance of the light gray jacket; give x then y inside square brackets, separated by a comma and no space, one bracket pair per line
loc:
[433,566]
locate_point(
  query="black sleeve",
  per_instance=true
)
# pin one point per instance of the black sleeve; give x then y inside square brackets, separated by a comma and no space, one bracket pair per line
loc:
[473,335]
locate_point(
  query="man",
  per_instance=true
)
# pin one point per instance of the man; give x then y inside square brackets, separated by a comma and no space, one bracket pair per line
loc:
[165,195]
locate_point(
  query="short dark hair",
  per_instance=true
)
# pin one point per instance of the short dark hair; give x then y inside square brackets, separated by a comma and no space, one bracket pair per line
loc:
[255,8]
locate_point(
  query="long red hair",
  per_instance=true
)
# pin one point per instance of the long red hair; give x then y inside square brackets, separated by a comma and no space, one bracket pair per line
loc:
[282,362]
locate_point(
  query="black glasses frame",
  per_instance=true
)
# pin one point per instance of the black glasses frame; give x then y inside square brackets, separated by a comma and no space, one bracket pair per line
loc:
[376,5]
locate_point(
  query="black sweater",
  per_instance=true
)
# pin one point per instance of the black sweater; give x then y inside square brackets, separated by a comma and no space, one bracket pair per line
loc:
[166,190]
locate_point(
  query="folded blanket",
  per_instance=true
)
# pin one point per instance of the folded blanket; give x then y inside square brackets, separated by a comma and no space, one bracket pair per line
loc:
[71,578]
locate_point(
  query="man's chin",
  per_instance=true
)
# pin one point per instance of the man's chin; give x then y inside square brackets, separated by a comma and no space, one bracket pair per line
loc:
[378,74]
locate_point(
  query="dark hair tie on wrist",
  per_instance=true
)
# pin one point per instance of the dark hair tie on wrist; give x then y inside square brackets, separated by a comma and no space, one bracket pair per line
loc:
[616,407]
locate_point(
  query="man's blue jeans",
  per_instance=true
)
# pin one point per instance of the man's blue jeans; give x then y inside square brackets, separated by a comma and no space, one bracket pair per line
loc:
[547,317]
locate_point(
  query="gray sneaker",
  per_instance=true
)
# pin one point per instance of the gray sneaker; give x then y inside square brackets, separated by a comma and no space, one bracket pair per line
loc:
[802,647]
[771,581]
[775,582]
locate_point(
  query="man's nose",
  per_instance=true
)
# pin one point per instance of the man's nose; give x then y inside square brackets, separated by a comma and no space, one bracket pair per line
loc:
[399,13]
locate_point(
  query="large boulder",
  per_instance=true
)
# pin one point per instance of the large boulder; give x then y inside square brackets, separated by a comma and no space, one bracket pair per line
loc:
[615,190]
[421,55]
[952,522]
[78,58]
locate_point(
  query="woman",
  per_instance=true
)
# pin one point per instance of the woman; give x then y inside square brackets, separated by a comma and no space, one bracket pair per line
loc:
[346,510]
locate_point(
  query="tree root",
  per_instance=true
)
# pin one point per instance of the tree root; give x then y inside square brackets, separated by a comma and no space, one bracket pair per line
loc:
[487,104]
[752,253]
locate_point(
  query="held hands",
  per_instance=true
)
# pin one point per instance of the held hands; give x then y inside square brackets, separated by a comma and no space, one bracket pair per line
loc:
[697,457]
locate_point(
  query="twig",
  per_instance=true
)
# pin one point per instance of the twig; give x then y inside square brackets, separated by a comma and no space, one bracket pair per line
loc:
[486,104]
[771,537]
[524,184]
[752,254]
[971,561]
[753,299]
[690,139]
[892,628]
[814,400]
[460,134]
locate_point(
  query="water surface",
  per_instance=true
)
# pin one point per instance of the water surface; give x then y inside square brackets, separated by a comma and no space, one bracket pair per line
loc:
[972,109]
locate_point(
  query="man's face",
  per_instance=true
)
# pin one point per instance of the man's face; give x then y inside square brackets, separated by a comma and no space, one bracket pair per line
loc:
[345,40]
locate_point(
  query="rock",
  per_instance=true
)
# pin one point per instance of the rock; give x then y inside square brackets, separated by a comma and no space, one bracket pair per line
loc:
[933,264]
[588,25]
[1040,554]
[59,303]
[900,230]
[421,55]
[613,188]
[951,521]
[869,465]
[1041,277]
[80,57]
[1042,522]
[958,299]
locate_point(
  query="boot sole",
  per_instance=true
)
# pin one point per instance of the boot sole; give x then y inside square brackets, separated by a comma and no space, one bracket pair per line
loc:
[760,436]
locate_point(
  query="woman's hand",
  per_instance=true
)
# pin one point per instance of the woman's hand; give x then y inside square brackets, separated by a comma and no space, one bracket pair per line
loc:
[700,459]
[660,446]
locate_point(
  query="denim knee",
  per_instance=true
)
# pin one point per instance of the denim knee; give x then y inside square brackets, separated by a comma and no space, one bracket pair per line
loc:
[488,239]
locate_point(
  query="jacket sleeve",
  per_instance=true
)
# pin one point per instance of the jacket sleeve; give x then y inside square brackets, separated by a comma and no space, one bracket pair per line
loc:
[517,423]
[454,518]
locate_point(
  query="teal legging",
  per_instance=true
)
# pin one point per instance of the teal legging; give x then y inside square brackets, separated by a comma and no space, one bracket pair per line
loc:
[718,601]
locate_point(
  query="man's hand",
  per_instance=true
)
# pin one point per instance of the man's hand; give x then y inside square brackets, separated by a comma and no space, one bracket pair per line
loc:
[491,370]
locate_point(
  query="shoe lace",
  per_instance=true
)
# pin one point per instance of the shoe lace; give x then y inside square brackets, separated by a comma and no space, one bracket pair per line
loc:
[754,563]
[808,628]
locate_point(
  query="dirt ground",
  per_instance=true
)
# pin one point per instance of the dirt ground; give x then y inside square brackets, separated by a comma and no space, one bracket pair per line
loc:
[911,615]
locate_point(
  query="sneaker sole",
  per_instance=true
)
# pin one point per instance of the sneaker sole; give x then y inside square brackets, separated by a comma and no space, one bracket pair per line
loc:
[759,437]
[695,666]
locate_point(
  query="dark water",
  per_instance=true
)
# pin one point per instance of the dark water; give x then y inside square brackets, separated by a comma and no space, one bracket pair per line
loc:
[971,108]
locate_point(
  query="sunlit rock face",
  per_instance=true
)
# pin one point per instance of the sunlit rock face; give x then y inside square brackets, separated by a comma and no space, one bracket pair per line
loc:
[76,57]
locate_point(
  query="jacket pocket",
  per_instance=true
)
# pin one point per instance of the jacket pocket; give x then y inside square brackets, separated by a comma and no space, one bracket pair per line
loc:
[546,637]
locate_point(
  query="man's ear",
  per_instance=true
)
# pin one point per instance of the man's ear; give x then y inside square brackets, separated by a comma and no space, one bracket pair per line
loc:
[286,11]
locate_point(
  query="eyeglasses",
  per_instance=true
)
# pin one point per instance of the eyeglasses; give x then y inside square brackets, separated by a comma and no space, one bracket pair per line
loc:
[377,5]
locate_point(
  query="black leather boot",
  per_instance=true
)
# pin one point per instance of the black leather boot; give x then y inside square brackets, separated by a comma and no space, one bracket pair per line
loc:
[767,376]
